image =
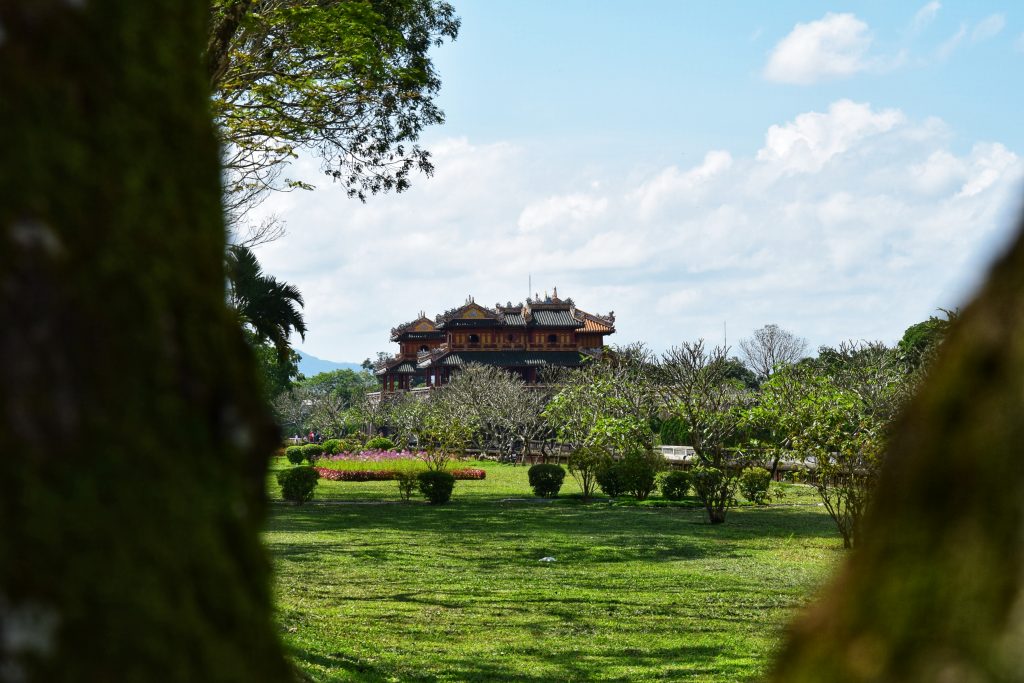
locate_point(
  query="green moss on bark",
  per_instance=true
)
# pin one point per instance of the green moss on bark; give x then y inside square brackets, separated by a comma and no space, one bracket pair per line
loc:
[134,443]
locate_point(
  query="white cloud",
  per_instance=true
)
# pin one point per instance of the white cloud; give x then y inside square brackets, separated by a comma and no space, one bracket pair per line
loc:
[988,28]
[851,222]
[949,46]
[926,15]
[808,142]
[564,212]
[828,48]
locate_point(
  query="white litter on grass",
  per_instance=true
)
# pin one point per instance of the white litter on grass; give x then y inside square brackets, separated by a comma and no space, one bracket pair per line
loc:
[546,559]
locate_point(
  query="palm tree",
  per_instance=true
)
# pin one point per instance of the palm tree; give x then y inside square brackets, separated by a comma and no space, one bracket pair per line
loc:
[270,309]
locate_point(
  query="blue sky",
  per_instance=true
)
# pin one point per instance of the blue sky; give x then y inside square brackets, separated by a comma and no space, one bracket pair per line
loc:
[839,170]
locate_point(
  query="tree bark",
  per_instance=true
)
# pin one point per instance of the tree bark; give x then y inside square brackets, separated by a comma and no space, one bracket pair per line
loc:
[135,444]
[934,590]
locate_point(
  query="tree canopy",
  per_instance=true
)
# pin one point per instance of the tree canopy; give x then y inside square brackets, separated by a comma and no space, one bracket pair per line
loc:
[350,81]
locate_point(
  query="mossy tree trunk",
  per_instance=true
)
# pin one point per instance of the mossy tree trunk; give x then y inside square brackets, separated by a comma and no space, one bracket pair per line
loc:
[134,445]
[935,592]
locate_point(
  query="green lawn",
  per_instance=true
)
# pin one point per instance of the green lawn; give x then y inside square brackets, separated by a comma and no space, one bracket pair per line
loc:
[414,592]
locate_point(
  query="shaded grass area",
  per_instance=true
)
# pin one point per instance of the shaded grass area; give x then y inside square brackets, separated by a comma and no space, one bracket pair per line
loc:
[451,593]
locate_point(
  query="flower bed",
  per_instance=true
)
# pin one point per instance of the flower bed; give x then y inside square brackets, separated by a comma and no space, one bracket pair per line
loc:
[381,466]
[469,473]
[390,475]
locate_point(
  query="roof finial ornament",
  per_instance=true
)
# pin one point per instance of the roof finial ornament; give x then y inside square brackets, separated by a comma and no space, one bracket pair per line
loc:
[554,294]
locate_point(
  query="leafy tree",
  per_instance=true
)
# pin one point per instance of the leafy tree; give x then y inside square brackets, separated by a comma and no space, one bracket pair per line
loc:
[584,464]
[142,560]
[347,386]
[268,308]
[772,421]
[506,414]
[770,347]
[836,413]
[711,405]
[276,374]
[736,371]
[599,401]
[348,80]
[921,340]
[444,432]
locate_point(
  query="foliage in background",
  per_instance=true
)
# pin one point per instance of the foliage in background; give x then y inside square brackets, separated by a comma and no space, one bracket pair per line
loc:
[505,415]
[921,341]
[771,347]
[835,412]
[675,484]
[610,402]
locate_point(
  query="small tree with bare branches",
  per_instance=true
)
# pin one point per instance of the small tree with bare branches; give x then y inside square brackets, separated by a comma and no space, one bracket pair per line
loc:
[770,347]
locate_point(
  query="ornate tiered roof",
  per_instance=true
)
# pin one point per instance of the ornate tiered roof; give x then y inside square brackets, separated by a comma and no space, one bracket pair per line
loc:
[420,328]
[546,312]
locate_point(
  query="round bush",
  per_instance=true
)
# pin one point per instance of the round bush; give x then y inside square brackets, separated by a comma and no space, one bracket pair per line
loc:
[546,480]
[436,486]
[350,444]
[294,454]
[297,484]
[312,451]
[754,483]
[380,443]
[707,481]
[332,446]
[609,478]
[638,472]
[675,484]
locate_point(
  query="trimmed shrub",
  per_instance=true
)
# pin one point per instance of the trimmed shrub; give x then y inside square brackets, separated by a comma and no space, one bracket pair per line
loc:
[436,486]
[546,480]
[356,475]
[332,446]
[609,478]
[294,454]
[312,451]
[407,482]
[297,484]
[675,484]
[754,483]
[351,444]
[380,443]
[638,472]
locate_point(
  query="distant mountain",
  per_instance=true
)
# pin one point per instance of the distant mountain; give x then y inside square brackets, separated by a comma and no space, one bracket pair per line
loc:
[310,365]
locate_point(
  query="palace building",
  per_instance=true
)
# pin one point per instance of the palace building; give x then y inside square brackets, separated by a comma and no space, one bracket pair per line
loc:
[523,338]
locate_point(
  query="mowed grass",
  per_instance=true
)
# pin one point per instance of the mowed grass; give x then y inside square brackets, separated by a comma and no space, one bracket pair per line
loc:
[412,592]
